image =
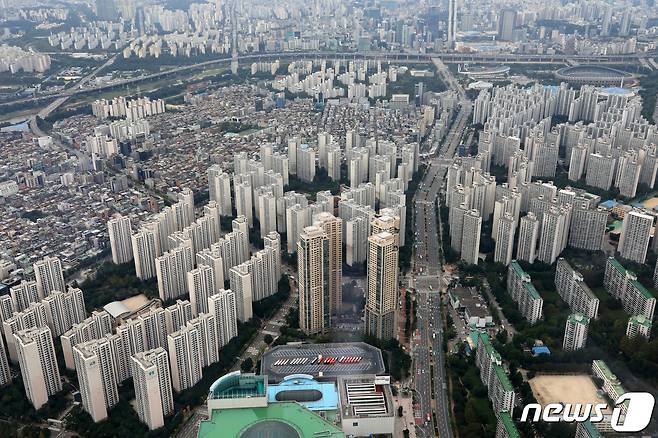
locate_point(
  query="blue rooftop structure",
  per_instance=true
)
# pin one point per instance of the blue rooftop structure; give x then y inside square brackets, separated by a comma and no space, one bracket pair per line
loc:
[304,389]
[610,203]
[541,350]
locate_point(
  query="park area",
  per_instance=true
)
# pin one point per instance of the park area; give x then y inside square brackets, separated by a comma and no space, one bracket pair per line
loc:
[565,389]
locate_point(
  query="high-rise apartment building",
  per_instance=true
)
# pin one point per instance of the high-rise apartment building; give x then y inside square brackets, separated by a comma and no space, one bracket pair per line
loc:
[96,326]
[554,229]
[587,227]
[471,231]
[185,357]
[152,379]
[49,276]
[24,294]
[171,269]
[575,332]
[241,284]
[333,227]
[313,280]
[528,235]
[63,309]
[120,231]
[623,285]
[635,235]
[146,247]
[639,325]
[574,291]
[206,326]
[222,306]
[244,204]
[505,239]
[219,189]
[5,372]
[523,292]
[201,284]
[94,364]
[382,292]
[506,22]
[177,315]
[38,362]
[32,317]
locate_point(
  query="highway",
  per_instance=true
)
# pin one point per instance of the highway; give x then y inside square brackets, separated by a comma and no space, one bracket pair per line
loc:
[397,57]
[430,378]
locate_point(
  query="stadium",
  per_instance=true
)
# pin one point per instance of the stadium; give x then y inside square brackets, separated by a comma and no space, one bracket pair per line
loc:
[595,75]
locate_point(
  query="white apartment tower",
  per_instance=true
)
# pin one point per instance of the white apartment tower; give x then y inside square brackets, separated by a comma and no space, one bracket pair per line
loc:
[24,294]
[635,235]
[201,284]
[528,234]
[575,332]
[219,189]
[241,285]
[146,247]
[152,379]
[244,201]
[49,276]
[505,239]
[120,231]
[171,269]
[470,245]
[36,356]
[95,368]
[222,306]
[185,357]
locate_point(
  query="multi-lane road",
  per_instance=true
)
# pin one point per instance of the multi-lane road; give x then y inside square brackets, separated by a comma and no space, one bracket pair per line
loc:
[429,359]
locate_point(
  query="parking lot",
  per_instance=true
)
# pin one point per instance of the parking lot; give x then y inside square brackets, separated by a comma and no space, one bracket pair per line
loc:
[370,361]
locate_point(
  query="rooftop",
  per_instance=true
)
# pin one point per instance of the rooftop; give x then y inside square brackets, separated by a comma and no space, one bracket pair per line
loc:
[370,363]
[237,385]
[281,419]
[302,388]
[508,423]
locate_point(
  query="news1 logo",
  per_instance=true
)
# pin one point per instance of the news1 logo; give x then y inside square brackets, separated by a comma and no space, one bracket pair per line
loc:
[636,419]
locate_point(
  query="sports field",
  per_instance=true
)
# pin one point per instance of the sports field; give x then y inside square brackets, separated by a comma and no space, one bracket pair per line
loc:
[565,389]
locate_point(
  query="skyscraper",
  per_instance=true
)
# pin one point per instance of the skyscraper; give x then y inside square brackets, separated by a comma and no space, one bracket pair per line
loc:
[36,356]
[452,24]
[49,276]
[506,19]
[119,229]
[313,280]
[333,227]
[150,370]
[382,293]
